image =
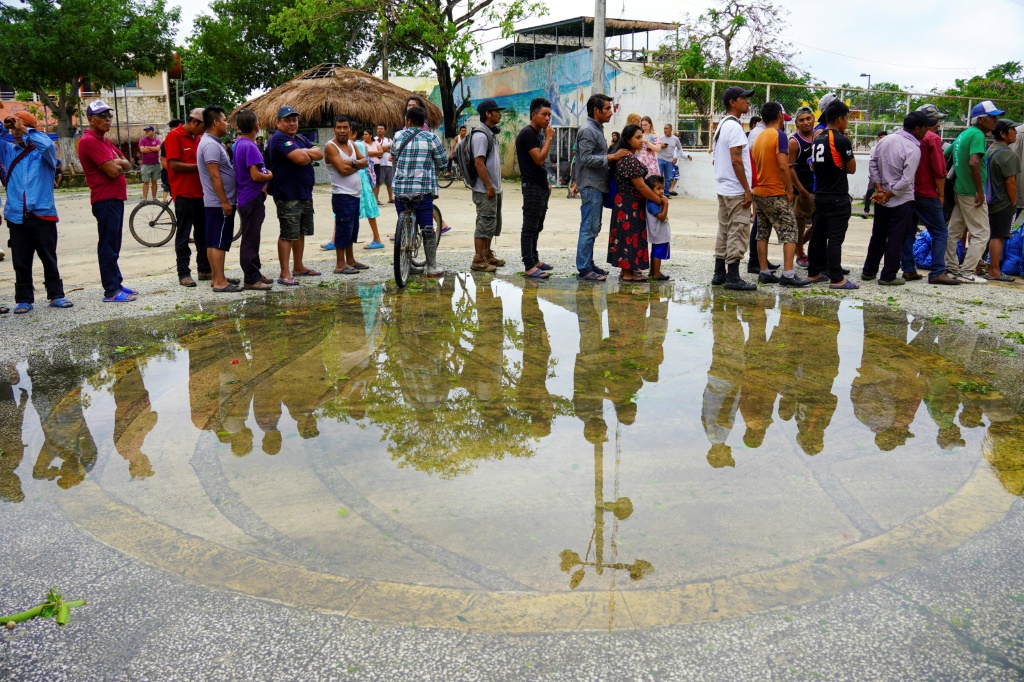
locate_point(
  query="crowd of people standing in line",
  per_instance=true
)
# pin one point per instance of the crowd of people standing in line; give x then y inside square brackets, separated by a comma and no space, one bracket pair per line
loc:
[798,185]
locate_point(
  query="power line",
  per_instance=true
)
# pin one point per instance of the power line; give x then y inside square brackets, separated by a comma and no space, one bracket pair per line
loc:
[875,61]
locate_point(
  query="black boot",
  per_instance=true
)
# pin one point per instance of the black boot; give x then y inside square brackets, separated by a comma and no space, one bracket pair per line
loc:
[733,281]
[719,277]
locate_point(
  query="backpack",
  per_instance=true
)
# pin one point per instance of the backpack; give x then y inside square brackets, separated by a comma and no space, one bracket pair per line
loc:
[463,154]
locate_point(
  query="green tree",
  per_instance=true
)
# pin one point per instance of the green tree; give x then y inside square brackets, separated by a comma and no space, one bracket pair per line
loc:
[444,32]
[54,48]
[1003,83]
[203,73]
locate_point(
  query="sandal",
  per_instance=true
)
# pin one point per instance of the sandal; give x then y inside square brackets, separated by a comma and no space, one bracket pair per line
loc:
[120,297]
[359,266]
[537,274]
[128,291]
[640,278]
[288,281]
[848,284]
[22,308]
[661,278]
[4,310]
[545,267]
[61,303]
[307,273]
[347,270]
[329,246]
[229,289]
[591,277]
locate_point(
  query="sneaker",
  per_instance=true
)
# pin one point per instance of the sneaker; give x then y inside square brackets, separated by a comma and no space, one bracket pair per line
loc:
[753,269]
[802,262]
[767,278]
[794,281]
[970,279]
[739,285]
[865,277]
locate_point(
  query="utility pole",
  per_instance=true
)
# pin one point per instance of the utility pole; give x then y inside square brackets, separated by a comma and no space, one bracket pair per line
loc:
[597,76]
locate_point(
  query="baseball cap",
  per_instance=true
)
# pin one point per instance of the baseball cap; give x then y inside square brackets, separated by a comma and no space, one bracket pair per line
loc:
[96,107]
[487,106]
[196,114]
[1002,126]
[735,92]
[931,110]
[918,118]
[825,100]
[286,111]
[785,116]
[149,128]
[804,110]
[986,108]
[29,120]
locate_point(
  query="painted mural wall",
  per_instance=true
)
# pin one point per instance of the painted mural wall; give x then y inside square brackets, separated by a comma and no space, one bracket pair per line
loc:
[565,81]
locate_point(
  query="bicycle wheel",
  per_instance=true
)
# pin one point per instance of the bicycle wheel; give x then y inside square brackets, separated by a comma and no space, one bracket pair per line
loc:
[445,178]
[152,223]
[438,221]
[568,184]
[403,247]
[238,230]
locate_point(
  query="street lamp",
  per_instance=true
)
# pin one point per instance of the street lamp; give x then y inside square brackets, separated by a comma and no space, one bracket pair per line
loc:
[181,100]
[868,76]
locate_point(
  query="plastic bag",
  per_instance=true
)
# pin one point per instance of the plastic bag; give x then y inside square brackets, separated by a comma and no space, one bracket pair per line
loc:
[1013,253]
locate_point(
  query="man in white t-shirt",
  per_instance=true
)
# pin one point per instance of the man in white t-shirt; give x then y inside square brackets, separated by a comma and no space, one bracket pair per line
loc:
[667,157]
[383,166]
[732,184]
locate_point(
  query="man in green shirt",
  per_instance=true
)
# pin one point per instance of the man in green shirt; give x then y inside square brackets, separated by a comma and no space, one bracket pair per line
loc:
[971,210]
[1003,167]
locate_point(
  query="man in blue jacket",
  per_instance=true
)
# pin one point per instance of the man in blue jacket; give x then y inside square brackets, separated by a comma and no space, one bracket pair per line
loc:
[29,163]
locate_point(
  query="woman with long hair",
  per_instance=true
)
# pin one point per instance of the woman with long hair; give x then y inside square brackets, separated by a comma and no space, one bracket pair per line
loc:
[627,238]
[648,153]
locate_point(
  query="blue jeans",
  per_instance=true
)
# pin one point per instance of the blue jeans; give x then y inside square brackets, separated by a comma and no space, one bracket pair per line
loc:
[666,168]
[109,216]
[929,213]
[590,227]
[424,214]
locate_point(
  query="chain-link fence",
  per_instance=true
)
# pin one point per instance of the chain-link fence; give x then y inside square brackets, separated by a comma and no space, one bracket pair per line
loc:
[871,111]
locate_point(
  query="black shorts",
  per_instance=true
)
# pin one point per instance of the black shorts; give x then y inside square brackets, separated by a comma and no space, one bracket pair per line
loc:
[1001,222]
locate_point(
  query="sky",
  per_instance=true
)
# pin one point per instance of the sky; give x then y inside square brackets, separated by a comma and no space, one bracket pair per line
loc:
[923,46]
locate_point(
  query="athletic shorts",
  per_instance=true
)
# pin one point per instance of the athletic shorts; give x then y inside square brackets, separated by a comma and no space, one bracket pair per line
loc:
[775,212]
[1001,222]
[804,208]
[219,228]
[295,217]
[150,171]
[660,251]
[385,175]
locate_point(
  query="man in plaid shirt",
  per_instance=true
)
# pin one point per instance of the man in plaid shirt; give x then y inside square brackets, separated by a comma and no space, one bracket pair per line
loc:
[418,156]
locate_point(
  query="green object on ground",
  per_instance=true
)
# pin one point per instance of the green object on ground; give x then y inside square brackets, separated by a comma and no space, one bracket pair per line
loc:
[53,607]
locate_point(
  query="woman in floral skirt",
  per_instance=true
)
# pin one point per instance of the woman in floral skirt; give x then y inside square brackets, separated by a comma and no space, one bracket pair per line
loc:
[627,239]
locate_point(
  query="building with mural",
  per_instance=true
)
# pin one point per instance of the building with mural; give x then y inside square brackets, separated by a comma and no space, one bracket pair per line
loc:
[555,61]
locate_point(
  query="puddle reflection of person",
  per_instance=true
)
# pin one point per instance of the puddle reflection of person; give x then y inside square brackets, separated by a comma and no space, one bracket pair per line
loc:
[134,417]
[532,397]
[13,400]
[1004,450]
[890,385]
[57,399]
[811,361]
[722,393]
[759,384]
[592,380]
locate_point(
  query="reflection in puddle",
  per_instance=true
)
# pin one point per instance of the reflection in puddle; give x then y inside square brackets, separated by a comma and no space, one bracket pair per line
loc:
[480,435]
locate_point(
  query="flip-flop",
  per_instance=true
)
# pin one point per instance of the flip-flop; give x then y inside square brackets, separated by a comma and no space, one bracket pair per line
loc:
[229,289]
[22,308]
[308,273]
[288,281]
[849,284]
[661,278]
[641,278]
[329,246]
[591,277]
[4,310]
[446,229]
[61,303]
[347,270]
[537,274]
[545,267]
[373,245]
[120,297]
[128,291]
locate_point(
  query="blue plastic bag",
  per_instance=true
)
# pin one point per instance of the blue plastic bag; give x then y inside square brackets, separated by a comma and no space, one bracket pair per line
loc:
[1013,253]
[923,250]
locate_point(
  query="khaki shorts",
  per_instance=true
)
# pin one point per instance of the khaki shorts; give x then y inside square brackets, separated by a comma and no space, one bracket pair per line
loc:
[295,217]
[775,212]
[804,208]
[149,172]
[488,215]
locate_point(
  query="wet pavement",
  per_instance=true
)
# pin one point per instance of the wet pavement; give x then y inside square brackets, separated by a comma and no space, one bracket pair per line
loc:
[487,479]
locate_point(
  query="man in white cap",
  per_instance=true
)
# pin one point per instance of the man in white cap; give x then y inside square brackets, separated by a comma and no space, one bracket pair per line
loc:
[971,210]
[181,145]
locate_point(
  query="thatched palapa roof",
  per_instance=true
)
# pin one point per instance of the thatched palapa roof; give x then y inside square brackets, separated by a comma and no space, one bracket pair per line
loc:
[330,90]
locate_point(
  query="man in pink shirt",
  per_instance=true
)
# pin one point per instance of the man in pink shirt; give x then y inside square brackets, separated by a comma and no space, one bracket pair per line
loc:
[929,188]
[104,167]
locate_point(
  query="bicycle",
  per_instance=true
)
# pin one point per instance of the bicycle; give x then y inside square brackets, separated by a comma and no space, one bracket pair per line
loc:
[157,223]
[409,238]
[448,175]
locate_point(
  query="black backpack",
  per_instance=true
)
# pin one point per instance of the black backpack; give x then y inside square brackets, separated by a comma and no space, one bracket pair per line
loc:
[463,155]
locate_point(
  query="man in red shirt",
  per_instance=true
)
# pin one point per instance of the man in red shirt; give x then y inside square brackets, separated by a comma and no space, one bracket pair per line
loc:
[929,188]
[104,168]
[183,174]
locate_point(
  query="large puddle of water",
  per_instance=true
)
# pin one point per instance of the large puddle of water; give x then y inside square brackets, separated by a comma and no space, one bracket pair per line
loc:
[521,458]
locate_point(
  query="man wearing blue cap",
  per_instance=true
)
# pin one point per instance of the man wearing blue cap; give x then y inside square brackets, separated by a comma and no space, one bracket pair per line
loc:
[290,157]
[971,210]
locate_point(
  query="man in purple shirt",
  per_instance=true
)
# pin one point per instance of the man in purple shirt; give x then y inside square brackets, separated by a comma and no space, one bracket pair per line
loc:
[252,176]
[892,170]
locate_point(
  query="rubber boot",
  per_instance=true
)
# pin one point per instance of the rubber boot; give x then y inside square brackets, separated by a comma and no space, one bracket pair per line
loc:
[719,277]
[733,280]
[430,248]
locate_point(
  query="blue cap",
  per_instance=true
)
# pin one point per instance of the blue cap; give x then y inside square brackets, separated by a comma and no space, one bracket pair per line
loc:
[286,111]
[986,108]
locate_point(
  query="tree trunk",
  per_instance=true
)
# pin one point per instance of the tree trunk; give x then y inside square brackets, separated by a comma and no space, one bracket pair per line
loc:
[65,137]
[447,90]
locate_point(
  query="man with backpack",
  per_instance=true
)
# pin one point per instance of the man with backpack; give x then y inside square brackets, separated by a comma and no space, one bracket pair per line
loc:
[1003,168]
[970,212]
[486,170]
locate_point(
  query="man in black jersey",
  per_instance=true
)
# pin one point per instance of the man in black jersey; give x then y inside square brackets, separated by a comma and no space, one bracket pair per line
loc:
[832,157]
[800,160]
